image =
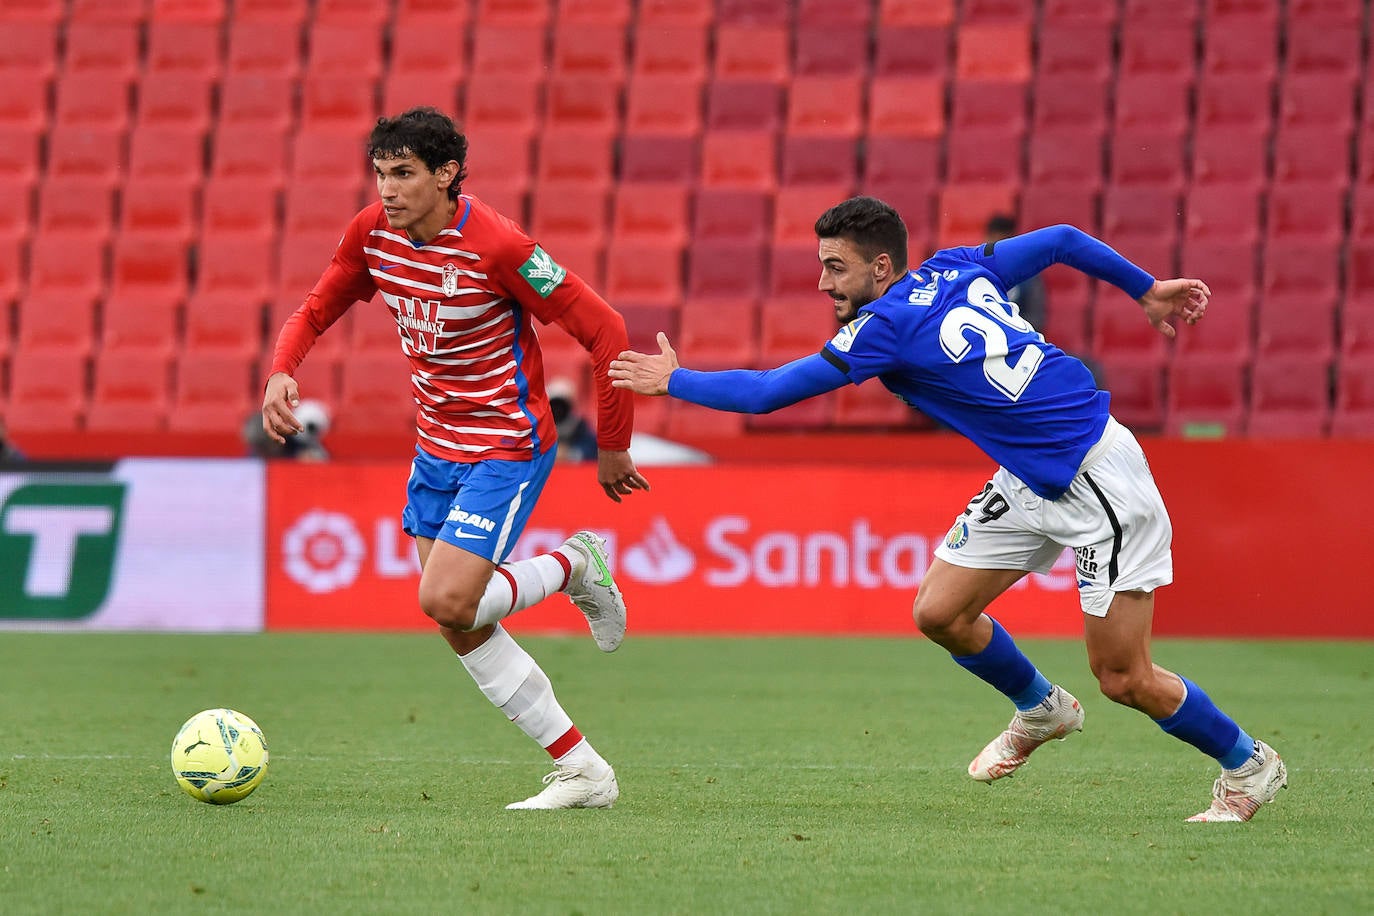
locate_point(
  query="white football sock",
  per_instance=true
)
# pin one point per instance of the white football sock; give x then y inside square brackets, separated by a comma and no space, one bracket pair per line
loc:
[515,586]
[510,678]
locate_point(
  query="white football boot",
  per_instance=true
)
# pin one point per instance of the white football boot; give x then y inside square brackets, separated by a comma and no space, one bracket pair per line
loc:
[573,787]
[1237,794]
[1056,717]
[594,592]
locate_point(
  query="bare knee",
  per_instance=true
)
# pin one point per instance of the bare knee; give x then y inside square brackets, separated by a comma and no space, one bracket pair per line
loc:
[1128,687]
[948,626]
[448,607]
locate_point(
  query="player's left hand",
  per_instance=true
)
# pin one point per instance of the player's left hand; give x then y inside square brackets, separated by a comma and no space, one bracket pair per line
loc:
[1182,298]
[645,373]
[616,473]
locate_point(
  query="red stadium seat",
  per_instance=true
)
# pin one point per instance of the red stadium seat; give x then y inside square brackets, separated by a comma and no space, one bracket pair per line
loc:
[1118,330]
[911,51]
[813,413]
[677,12]
[569,210]
[1290,326]
[1230,100]
[718,332]
[214,391]
[579,101]
[50,319]
[739,159]
[19,154]
[1318,48]
[1232,155]
[1140,212]
[351,12]
[529,13]
[24,100]
[506,51]
[149,267]
[331,152]
[982,155]
[657,157]
[820,160]
[159,207]
[250,151]
[1229,268]
[183,102]
[963,211]
[109,48]
[1206,396]
[433,11]
[26,11]
[793,271]
[11,251]
[902,107]
[691,423]
[496,151]
[663,105]
[791,327]
[1354,412]
[71,267]
[1144,157]
[1065,102]
[1307,213]
[916,12]
[1011,63]
[591,50]
[200,11]
[832,49]
[131,392]
[338,99]
[47,390]
[30,48]
[1246,45]
[1152,102]
[224,320]
[239,265]
[669,50]
[1136,384]
[17,215]
[726,269]
[79,206]
[233,206]
[130,325]
[319,206]
[744,105]
[175,155]
[599,12]
[1065,157]
[1289,398]
[796,210]
[649,212]
[1357,332]
[576,154]
[872,406]
[1222,212]
[256,99]
[1140,44]
[644,272]
[430,47]
[726,214]
[1315,100]
[253,48]
[1050,204]
[402,91]
[752,52]
[890,160]
[825,106]
[754,11]
[916,204]
[979,104]
[1312,154]
[997,11]
[1076,48]
[94,99]
[178,48]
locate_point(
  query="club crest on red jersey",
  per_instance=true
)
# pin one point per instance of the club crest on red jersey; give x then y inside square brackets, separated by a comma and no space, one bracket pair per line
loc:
[450,280]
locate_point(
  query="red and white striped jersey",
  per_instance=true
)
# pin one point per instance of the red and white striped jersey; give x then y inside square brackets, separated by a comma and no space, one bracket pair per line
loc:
[463,305]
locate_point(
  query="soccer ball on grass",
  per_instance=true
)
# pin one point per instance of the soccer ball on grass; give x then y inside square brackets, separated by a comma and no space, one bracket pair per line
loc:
[219,756]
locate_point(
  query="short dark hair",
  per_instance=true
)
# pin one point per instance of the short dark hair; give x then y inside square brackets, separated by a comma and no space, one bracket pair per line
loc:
[426,132]
[873,226]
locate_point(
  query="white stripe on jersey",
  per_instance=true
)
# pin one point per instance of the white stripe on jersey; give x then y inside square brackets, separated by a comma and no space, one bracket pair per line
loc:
[406,240]
[389,257]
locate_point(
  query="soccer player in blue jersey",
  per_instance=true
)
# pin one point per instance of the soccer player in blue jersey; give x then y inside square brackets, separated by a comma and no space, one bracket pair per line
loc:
[945,339]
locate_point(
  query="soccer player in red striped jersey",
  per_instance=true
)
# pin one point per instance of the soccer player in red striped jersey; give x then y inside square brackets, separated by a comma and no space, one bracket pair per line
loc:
[464,285]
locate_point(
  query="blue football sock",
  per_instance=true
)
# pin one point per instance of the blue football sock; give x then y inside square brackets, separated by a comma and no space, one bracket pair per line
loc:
[1200,723]
[1004,666]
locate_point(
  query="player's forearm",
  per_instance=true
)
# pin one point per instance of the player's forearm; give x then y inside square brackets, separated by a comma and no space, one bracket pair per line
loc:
[755,391]
[298,334]
[1026,255]
[601,331]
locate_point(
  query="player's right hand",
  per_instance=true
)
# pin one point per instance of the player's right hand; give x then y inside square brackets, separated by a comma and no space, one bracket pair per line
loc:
[281,395]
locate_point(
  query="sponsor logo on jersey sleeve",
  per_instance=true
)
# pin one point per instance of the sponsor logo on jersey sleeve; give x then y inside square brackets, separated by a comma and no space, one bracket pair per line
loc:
[542,273]
[845,339]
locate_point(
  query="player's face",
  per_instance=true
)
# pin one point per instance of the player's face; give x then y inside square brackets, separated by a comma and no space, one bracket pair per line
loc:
[414,198]
[848,277]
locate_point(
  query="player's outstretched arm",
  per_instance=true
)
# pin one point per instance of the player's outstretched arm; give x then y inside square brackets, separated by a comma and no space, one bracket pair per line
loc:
[280,396]
[1178,298]
[645,373]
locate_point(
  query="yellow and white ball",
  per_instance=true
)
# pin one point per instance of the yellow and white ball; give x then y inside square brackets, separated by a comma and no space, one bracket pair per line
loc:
[219,756]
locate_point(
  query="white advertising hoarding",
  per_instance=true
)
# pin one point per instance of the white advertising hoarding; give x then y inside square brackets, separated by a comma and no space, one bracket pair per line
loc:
[146,544]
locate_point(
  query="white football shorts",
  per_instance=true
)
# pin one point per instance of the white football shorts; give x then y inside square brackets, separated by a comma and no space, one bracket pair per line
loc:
[1112,517]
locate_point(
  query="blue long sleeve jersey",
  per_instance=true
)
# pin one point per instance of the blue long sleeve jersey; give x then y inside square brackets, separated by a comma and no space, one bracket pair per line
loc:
[945,339]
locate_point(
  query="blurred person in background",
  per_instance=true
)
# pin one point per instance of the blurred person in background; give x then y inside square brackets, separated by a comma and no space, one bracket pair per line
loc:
[576,437]
[464,284]
[306,445]
[945,338]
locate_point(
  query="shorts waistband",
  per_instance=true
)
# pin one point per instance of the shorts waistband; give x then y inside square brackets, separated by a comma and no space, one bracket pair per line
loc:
[1102,446]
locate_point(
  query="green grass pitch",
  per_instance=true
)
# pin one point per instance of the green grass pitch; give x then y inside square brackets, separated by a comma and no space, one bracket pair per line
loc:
[758,776]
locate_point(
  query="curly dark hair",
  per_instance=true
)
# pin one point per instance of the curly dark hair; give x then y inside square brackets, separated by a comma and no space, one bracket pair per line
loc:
[873,226]
[428,133]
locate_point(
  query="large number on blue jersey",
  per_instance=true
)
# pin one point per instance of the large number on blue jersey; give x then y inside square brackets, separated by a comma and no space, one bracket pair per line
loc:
[989,316]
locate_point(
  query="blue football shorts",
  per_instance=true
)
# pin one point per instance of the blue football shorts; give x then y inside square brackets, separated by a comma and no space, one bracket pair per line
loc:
[481,507]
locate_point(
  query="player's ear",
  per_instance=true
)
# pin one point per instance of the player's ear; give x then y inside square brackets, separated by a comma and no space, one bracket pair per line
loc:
[882,267]
[446,173]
